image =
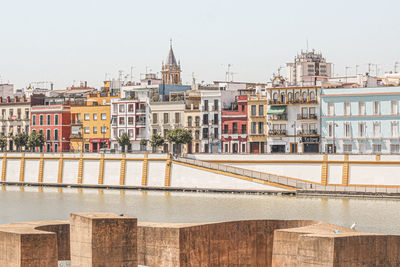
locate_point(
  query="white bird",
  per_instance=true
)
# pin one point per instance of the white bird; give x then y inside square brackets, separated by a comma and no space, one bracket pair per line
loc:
[353,226]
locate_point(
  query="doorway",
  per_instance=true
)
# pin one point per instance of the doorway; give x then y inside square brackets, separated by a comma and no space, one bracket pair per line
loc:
[293,147]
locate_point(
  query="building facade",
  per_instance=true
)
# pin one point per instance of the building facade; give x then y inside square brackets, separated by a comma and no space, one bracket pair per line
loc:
[192,120]
[234,126]
[54,122]
[90,128]
[210,112]
[129,116]
[293,120]
[360,120]
[257,123]
[15,118]
[308,69]
[165,116]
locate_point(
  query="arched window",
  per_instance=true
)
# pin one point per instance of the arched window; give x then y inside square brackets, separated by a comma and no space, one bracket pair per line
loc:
[48,134]
[312,96]
[283,97]
[190,121]
[304,96]
[56,134]
[275,96]
[297,96]
[290,96]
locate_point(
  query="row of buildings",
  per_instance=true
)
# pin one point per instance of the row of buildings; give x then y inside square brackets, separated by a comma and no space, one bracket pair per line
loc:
[317,116]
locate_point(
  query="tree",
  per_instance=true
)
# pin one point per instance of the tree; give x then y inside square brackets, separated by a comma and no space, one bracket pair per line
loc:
[143,144]
[35,139]
[20,140]
[179,136]
[3,142]
[123,141]
[156,141]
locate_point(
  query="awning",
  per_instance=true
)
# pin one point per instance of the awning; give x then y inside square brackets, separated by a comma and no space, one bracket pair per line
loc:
[276,110]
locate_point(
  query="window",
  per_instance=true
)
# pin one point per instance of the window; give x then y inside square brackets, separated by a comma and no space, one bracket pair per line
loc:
[154,131]
[377,107]
[95,116]
[55,119]
[244,128]
[130,120]
[361,108]
[115,108]
[87,116]
[394,107]
[34,120]
[48,134]
[261,110]
[331,109]
[189,122]
[347,148]
[215,118]
[48,119]
[205,132]
[130,107]
[197,135]
[346,110]
[215,104]
[121,121]
[304,96]
[121,132]
[41,120]
[297,96]
[226,127]
[312,96]
[55,147]
[394,148]
[166,119]
[395,129]
[197,121]
[177,117]
[103,129]
[205,105]
[205,119]
[362,148]
[376,148]
[253,127]
[155,118]
[216,133]
[56,134]
[261,127]
[377,130]
[130,132]
[347,130]
[103,116]
[121,107]
[95,130]
[87,130]
[361,129]
[330,130]
[234,128]
[253,110]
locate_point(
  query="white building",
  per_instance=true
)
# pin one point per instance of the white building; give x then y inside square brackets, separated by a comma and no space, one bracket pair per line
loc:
[129,116]
[165,116]
[308,69]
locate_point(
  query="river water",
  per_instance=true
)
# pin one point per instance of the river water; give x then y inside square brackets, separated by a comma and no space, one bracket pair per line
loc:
[33,203]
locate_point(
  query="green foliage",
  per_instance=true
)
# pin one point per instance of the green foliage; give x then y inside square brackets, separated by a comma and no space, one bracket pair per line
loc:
[143,142]
[156,141]
[179,136]
[123,140]
[20,140]
[3,142]
[35,139]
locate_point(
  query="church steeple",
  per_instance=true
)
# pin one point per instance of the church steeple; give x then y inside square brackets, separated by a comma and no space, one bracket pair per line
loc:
[171,71]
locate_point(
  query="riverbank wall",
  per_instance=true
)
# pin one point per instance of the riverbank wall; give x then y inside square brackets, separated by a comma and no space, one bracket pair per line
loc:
[368,174]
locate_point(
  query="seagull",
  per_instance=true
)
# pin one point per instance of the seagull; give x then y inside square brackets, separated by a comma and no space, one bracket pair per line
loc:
[353,226]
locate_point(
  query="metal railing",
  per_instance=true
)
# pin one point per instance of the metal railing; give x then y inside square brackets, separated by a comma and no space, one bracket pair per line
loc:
[248,173]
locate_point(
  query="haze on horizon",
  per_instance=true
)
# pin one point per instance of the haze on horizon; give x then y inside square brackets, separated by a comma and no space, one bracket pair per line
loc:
[74,40]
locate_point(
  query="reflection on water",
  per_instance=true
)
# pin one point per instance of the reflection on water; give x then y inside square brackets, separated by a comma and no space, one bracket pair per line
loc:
[36,203]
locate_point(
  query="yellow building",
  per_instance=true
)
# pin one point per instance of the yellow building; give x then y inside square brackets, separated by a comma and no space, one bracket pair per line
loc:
[90,127]
[257,123]
[98,99]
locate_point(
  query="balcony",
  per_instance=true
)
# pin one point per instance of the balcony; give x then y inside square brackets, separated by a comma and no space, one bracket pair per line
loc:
[282,117]
[307,132]
[140,111]
[292,102]
[140,124]
[255,115]
[306,116]
[190,107]
[75,136]
[277,132]
[76,122]
[230,132]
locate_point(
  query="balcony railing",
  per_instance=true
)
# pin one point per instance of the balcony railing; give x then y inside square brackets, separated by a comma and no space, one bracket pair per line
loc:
[277,132]
[76,122]
[292,101]
[140,111]
[234,132]
[76,135]
[282,117]
[306,116]
[307,132]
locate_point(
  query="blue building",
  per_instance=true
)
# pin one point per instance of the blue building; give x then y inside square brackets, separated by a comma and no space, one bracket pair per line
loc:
[165,90]
[360,120]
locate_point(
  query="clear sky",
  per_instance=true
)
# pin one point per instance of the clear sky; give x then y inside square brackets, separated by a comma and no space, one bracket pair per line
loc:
[63,41]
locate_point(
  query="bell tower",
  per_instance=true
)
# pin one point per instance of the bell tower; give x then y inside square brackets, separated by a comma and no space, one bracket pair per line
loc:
[171,71]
